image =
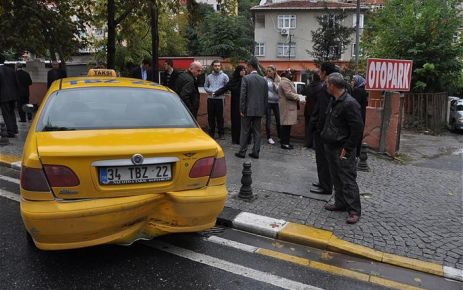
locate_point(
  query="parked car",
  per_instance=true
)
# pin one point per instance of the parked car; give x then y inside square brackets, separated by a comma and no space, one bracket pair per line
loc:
[300,86]
[455,118]
[113,160]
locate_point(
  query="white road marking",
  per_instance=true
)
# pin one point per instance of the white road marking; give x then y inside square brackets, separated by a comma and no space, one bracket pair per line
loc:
[453,273]
[231,267]
[9,195]
[9,179]
[232,244]
[16,165]
[258,224]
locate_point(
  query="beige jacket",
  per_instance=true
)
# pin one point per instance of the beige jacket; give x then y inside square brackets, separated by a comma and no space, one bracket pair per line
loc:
[288,102]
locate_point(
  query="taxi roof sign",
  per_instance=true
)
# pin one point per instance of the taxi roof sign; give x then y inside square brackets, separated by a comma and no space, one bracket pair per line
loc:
[102,73]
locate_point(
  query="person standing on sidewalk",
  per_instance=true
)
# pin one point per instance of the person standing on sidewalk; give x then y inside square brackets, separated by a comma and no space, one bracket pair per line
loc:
[312,90]
[24,82]
[215,102]
[361,95]
[324,185]
[234,86]
[8,97]
[55,73]
[340,134]
[169,75]
[186,87]
[288,104]
[273,82]
[253,104]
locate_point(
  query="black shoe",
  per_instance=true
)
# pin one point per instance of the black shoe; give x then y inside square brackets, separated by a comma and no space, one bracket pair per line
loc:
[252,155]
[287,147]
[319,190]
[333,207]
[316,184]
[239,155]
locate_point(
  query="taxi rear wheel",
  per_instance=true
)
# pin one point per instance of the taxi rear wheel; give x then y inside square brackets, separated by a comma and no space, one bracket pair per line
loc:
[30,241]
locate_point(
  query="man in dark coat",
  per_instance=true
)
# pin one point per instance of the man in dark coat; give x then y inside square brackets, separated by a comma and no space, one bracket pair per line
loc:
[143,72]
[55,73]
[341,132]
[322,98]
[169,75]
[8,97]
[311,91]
[186,87]
[24,81]
[253,105]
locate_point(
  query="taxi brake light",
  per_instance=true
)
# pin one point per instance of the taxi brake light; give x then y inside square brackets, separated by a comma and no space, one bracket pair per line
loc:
[33,179]
[61,176]
[220,168]
[202,167]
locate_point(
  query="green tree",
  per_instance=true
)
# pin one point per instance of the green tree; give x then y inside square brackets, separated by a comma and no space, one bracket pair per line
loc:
[332,38]
[44,27]
[226,36]
[422,31]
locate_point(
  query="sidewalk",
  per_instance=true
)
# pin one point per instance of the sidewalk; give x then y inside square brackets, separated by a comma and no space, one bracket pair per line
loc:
[411,207]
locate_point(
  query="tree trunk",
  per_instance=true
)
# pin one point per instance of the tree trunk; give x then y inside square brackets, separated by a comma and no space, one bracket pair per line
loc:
[154,13]
[111,41]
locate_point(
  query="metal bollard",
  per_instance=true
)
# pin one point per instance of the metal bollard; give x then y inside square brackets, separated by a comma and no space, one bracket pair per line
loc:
[246,181]
[362,164]
[3,135]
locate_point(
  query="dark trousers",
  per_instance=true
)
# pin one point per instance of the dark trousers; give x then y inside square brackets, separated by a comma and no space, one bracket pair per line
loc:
[235,120]
[250,126]
[285,133]
[323,171]
[22,114]
[9,116]
[276,112]
[308,132]
[215,115]
[344,174]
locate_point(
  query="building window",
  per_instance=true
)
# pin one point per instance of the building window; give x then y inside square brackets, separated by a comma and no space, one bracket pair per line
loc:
[260,49]
[353,50]
[260,20]
[283,50]
[354,20]
[286,21]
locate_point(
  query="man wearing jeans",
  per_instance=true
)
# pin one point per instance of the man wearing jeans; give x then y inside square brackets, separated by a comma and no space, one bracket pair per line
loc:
[215,103]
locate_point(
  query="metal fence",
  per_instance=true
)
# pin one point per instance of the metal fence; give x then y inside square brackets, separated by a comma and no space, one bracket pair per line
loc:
[425,111]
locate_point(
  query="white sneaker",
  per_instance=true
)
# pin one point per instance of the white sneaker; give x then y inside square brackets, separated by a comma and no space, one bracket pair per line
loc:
[270,141]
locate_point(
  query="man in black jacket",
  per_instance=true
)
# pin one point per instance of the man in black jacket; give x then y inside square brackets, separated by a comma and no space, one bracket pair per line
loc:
[8,97]
[311,91]
[24,81]
[55,73]
[322,98]
[186,87]
[169,75]
[341,132]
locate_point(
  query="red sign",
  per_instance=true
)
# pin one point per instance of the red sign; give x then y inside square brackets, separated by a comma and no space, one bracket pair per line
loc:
[389,74]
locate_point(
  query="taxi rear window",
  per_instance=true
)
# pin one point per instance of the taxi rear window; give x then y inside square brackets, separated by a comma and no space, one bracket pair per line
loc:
[113,108]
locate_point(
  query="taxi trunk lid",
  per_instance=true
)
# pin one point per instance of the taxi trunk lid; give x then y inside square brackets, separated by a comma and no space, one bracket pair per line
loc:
[88,152]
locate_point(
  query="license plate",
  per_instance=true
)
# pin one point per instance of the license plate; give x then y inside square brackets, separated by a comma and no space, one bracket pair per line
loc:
[135,174]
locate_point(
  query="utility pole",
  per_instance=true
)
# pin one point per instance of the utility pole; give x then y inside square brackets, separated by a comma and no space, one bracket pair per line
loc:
[357,38]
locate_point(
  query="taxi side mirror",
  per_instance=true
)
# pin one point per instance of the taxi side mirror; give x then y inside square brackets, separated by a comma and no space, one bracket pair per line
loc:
[28,108]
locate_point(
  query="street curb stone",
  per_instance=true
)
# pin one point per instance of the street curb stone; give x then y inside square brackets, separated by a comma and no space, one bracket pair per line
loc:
[323,239]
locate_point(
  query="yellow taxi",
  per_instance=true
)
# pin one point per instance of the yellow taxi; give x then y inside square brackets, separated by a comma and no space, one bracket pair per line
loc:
[110,160]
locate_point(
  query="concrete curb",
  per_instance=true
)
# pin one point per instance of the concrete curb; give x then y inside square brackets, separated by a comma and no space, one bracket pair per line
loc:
[326,240]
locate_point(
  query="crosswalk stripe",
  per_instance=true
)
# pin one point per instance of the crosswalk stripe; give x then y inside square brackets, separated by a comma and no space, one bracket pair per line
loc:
[231,267]
[9,179]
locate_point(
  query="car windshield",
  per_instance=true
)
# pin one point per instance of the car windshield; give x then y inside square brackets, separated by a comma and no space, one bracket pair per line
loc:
[113,108]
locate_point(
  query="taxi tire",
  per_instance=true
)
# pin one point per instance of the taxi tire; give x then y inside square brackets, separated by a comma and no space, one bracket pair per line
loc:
[30,241]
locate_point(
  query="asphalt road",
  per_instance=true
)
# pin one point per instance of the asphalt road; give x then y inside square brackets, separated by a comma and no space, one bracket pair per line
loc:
[186,261]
